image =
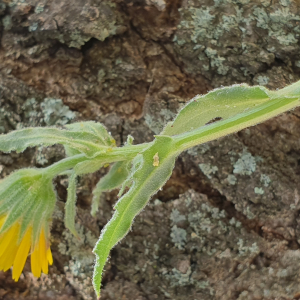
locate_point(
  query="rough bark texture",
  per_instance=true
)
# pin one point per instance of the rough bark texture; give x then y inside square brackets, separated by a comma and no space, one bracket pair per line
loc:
[226,225]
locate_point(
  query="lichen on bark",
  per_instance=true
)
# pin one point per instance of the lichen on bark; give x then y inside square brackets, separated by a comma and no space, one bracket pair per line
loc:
[229,213]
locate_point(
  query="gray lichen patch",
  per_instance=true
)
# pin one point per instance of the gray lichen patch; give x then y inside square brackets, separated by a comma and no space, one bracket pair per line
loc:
[35,112]
[245,165]
[19,105]
[157,124]
[231,179]
[180,279]
[80,279]
[79,248]
[176,217]
[200,149]
[229,38]
[259,191]
[32,112]
[178,236]
[262,80]
[208,170]
[277,22]
[80,267]
[265,180]
[55,112]
[253,249]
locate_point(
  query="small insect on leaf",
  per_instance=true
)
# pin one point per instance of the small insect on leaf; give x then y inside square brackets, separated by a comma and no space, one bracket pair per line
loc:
[156,160]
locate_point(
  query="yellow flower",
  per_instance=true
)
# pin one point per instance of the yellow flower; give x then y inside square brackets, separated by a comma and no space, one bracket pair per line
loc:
[14,250]
[27,201]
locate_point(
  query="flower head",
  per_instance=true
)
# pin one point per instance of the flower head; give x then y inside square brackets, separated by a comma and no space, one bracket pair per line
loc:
[27,201]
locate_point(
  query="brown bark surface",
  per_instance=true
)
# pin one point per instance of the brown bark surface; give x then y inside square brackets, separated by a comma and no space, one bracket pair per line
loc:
[226,225]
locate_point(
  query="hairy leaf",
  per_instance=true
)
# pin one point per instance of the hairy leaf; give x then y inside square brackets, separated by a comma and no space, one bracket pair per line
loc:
[251,117]
[102,137]
[112,180]
[219,104]
[86,137]
[147,180]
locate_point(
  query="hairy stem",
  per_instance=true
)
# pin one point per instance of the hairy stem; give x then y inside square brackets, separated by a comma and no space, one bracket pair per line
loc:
[113,155]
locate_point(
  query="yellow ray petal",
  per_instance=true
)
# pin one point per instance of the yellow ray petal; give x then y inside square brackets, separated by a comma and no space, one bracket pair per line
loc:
[36,267]
[9,247]
[43,254]
[21,255]
[7,237]
[7,259]
[49,256]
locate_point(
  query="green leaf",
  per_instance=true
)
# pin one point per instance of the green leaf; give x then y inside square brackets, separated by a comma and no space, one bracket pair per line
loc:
[86,137]
[292,90]
[219,104]
[71,151]
[251,117]
[70,207]
[97,130]
[112,180]
[147,180]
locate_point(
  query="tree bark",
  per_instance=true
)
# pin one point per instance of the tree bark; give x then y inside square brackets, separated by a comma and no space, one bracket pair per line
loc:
[226,224]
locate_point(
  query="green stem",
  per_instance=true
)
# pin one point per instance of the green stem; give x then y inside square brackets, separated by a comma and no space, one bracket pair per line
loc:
[113,155]
[216,130]
[64,165]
